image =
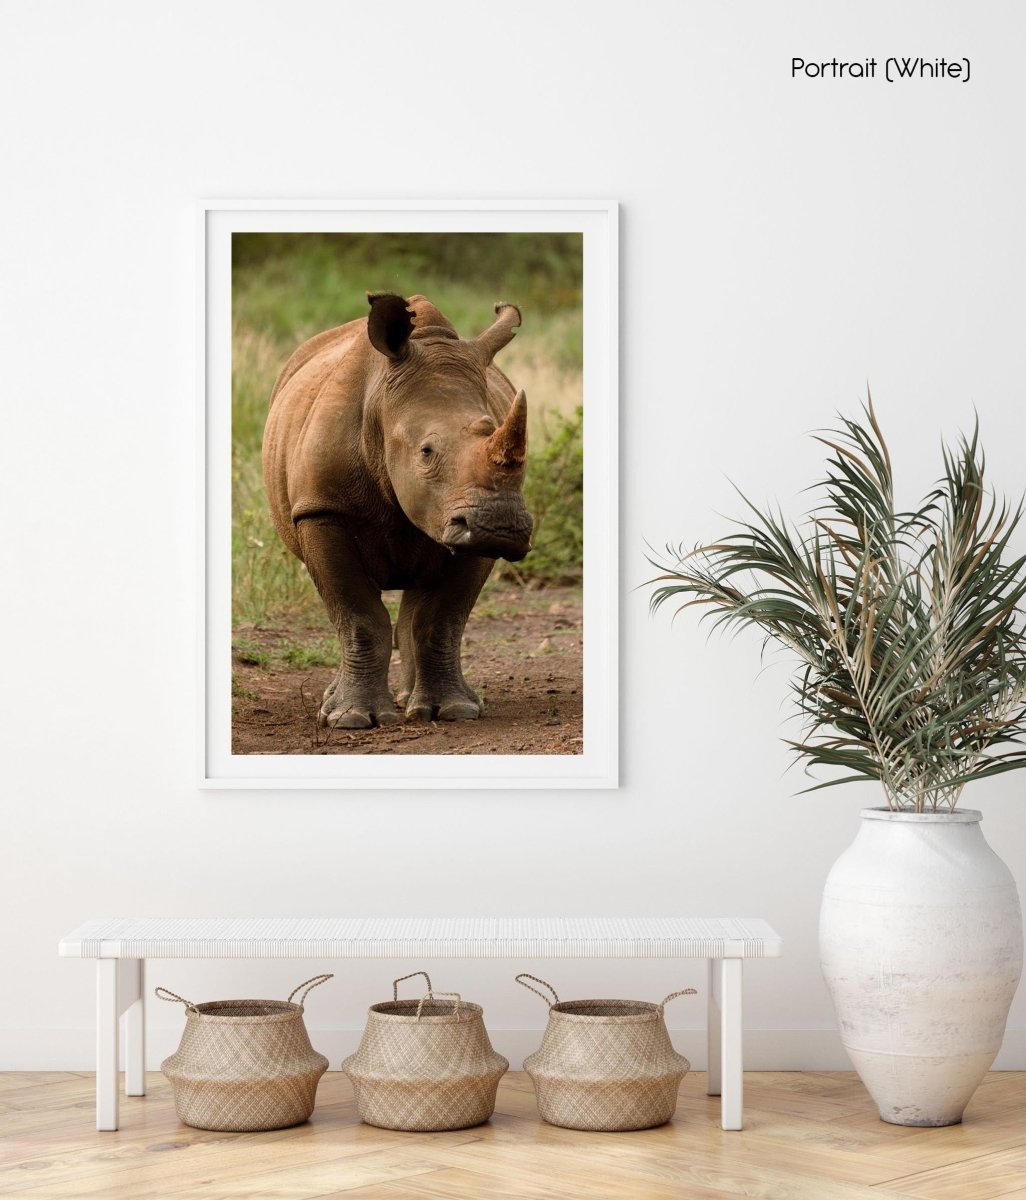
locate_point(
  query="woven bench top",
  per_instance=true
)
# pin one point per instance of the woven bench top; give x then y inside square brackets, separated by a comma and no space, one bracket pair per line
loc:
[424,937]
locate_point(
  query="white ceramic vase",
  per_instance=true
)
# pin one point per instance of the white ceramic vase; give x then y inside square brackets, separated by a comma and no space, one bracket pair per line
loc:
[921,945]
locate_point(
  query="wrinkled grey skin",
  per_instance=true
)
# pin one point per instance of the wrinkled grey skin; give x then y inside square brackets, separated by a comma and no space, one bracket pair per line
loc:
[394,458]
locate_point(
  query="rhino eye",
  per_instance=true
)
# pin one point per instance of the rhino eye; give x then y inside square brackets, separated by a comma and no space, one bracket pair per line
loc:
[426,451]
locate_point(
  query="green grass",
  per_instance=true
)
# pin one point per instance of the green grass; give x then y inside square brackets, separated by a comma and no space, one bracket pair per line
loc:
[309,282]
[251,654]
[322,653]
[278,654]
[287,287]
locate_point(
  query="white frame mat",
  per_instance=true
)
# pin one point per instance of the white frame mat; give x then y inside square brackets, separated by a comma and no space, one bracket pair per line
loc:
[596,766]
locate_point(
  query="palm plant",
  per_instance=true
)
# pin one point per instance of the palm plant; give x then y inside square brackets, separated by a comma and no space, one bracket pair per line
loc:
[908,626]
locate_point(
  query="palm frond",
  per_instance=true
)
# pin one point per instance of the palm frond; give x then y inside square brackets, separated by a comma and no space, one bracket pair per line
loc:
[908,625]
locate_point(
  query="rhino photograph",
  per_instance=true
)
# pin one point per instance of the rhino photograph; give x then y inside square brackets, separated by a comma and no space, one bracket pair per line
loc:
[407,493]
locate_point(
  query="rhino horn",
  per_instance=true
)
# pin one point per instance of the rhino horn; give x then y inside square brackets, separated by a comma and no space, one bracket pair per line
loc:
[500,333]
[507,447]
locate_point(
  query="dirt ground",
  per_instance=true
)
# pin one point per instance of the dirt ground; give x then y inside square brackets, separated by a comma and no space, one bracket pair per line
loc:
[522,653]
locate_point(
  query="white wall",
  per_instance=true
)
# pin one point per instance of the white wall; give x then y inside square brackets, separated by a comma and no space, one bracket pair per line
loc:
[783,242]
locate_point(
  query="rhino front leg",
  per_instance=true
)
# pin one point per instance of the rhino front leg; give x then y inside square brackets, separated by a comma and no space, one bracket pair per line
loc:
[430,633]
[417,600]
[358,697]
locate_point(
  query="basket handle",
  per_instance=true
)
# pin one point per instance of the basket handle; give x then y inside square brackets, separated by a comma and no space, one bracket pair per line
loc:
[674,995]
[432,995]
[163,994]
[309,985]
[397,982]
[524,975]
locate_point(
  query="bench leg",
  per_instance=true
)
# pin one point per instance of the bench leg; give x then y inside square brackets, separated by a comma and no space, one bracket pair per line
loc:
[133,973]
[713,1028]
[107,1021]
[727,972]
[119,989]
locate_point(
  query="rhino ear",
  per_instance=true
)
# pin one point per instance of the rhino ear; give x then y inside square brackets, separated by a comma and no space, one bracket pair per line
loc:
[500,332]
[389,325]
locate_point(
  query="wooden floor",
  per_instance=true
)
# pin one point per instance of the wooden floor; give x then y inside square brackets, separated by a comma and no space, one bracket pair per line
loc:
[807,1137]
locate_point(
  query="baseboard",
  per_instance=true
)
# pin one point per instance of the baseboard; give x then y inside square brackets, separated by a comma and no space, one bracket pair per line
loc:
[765,1049]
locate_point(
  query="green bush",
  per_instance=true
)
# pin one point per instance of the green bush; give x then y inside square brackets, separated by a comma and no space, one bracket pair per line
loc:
[554,493]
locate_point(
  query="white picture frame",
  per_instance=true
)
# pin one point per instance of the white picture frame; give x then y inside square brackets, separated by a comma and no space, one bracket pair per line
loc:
[597,765]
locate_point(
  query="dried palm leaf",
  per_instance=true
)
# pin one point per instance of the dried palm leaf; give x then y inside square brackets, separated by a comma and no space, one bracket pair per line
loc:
[908,626]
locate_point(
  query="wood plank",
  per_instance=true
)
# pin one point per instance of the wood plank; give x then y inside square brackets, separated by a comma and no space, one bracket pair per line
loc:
[455,1183]
[60,1092]
[984,1177]
[22,1079]
[626,1163]
[312,1157]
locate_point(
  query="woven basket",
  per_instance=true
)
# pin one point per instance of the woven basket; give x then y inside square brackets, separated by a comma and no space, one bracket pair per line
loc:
[605,1064]
[425,1065]
[245,1065]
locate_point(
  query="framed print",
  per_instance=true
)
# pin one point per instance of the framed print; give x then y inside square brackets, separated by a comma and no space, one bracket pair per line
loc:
[409,517]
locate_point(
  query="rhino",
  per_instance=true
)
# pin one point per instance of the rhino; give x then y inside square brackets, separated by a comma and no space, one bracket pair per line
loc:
[394,455]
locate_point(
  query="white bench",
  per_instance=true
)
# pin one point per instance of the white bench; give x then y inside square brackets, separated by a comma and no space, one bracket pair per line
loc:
[121,948]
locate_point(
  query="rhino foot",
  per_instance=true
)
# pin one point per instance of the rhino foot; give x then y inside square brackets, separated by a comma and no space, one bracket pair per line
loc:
[460,707]
[355,718]
[459,710]
[336,713]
